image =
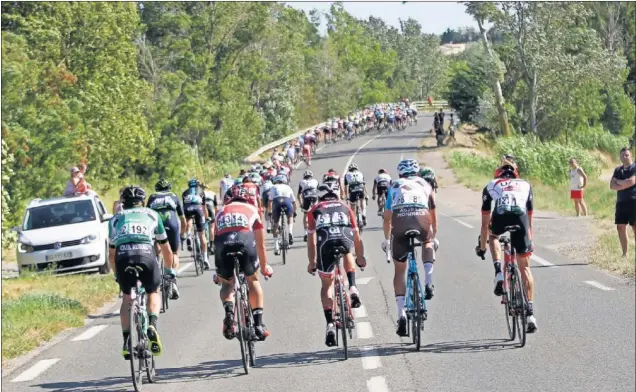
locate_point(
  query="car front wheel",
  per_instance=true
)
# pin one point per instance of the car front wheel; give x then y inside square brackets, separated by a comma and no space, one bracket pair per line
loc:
[105,268]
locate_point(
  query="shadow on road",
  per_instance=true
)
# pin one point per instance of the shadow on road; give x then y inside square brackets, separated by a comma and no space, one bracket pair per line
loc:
[308,358]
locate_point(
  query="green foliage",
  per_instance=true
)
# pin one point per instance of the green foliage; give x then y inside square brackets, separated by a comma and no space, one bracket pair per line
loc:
[599,139]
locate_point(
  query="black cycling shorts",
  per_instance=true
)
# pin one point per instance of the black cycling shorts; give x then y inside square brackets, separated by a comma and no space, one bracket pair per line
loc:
[520,239]
[356,192]
[308,202]
[381,190]
[195,211]
[625,213]
[328,239]
[234,242]
[142,257]
[403,220]
[173,231]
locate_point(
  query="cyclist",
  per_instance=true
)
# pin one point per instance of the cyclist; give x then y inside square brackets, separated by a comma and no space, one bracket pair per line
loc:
[513,207]
[264,189]
[381,186]
[226,184]
[281,195]
[307,195]
[211,204]
[356,190]
[132,233]
[169,207]
[410,205]
[333,178]
[254,197]
[429,175]
[309,142]
[193,200]
[332,223]
[239,228]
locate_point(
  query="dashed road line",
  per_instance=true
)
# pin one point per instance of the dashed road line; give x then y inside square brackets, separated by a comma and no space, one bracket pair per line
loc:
[185,267]
[541,260]
[360,312]
[461,222]
[598,285]
[364,330]
[35,370]
[89,333]
[377,384]
[370,360]
[364,280]
[357,151]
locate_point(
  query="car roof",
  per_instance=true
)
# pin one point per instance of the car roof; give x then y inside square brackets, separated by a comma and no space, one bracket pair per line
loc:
[58,200]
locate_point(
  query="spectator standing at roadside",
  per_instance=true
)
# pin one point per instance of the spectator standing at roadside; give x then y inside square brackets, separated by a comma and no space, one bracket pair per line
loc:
[624,183]
[578,182]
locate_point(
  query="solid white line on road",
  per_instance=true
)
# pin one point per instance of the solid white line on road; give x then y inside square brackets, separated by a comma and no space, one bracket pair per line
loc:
[364,280]
[370,359]
[185,267]
[357,151]
[89,333]
[377,384]
[364,330]
[360,312]
[35,370]
[461,222]
[598,285]
[541,261]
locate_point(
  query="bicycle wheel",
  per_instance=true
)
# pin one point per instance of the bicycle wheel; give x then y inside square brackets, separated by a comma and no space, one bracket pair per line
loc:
[195,255]
[283,241]
[249,322]
[344,318]
[507,299]
[520,304]
[359,218]
[240,315]
[135,337]
[416,321]
[201,255]
[151,370]
[165,293]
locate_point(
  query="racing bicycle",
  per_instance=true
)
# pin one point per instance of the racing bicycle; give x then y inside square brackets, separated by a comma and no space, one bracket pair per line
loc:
[141,357]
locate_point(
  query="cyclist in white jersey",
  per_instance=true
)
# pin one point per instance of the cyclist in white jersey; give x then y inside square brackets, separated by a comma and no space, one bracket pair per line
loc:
[282,196]
[356,190]
[410,205]
[513,207]
[225,185]
[264,190]
[381,186]
[307,196]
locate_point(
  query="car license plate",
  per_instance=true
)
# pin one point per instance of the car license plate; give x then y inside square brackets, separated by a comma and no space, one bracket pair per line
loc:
[59,256]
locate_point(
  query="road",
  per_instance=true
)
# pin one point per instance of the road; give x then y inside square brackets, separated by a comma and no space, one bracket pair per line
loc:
[585,340]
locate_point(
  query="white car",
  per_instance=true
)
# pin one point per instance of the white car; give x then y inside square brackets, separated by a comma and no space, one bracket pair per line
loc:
[65,233]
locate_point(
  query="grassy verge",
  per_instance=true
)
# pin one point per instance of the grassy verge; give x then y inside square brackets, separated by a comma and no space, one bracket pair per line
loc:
[37,307]
[599,198]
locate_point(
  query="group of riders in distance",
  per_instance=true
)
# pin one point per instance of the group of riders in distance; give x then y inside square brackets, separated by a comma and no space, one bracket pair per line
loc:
[261,201]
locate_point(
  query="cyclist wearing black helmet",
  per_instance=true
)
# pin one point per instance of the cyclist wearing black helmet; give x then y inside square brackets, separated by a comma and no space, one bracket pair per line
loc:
[132,233]
[194,206]
[169,208]
[307,195]
[513,207]
[381,186]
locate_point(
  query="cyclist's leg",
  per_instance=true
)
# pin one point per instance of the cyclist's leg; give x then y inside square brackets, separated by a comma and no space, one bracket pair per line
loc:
[225,272]
[428,253]
[125,281]
[350,268]
[199,220]
[249,265]
[150,278]
[399,254]
[520,241]
[325,265]
[497,224]
[276,213]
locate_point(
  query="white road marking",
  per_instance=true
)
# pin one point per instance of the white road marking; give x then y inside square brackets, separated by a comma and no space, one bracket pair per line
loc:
[360,312]
[461,222]
[370,359]
[35,370]
[377,384]
[89,333]
[407,144]
[364,280]
[364,330]
[357,151]
[598,285]
[185,267]
[541,261]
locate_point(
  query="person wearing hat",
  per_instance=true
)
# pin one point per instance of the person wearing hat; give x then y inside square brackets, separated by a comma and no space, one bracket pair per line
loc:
[72,182]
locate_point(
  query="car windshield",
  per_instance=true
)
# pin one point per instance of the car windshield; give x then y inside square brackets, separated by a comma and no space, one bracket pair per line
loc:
[59,214]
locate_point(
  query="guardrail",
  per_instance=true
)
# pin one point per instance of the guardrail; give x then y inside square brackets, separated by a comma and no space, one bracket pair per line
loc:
[253,157]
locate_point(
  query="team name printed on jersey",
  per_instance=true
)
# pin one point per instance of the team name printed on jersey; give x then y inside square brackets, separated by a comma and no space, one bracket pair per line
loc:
[509,194]
[163,202]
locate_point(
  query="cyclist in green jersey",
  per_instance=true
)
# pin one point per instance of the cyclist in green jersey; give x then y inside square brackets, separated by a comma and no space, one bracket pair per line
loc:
[132,233]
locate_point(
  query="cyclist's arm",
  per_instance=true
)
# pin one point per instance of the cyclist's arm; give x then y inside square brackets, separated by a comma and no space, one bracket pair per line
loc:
[111,246]
[433,210]
[375,185]
[357,239]
[388,214]
[181,215]
[485,217]
[259,237]
[311,237]
[299,195]
[530,206]
[162,239]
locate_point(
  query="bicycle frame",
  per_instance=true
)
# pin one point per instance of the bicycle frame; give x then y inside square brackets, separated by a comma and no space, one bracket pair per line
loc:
[412,269]
[340,282]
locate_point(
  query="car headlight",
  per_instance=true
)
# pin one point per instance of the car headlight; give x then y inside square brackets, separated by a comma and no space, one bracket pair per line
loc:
[24,248]
[88,239]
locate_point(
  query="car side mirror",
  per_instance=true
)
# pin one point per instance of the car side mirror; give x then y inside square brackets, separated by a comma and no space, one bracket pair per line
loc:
[107,217]
[16,229]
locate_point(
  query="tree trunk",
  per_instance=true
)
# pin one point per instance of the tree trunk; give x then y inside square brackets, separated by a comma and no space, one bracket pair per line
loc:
[532,95]
[496,86]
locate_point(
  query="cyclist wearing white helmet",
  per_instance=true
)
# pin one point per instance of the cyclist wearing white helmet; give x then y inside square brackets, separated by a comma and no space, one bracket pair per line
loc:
[282,196]
[356,190]
[307,195]
[410,205]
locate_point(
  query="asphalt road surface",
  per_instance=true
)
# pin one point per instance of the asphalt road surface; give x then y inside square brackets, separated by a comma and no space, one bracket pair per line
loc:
[585,340]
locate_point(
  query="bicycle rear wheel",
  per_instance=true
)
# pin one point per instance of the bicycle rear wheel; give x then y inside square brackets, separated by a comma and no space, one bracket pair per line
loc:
[195,255]
[507,299]
[416,321]
[240,315]
[520,303]
[250,327]
[283,241]
[344,319]
[200,255]
[135,337]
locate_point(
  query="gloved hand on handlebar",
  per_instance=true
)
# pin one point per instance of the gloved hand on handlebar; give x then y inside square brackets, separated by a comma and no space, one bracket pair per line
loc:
[386,245]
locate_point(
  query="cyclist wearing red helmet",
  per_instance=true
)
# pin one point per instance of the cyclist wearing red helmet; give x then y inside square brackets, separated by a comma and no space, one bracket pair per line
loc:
[513,207]
[239,227]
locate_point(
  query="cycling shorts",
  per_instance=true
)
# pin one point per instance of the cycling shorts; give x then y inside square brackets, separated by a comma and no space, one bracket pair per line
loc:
[279,204]
[381,189]
[520,240]
[142,257]
[234,242]
[265,198]
[327,239]
[356,192]
[195,211]
[403,220]
[172,226]
[308,202]
[391,120]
